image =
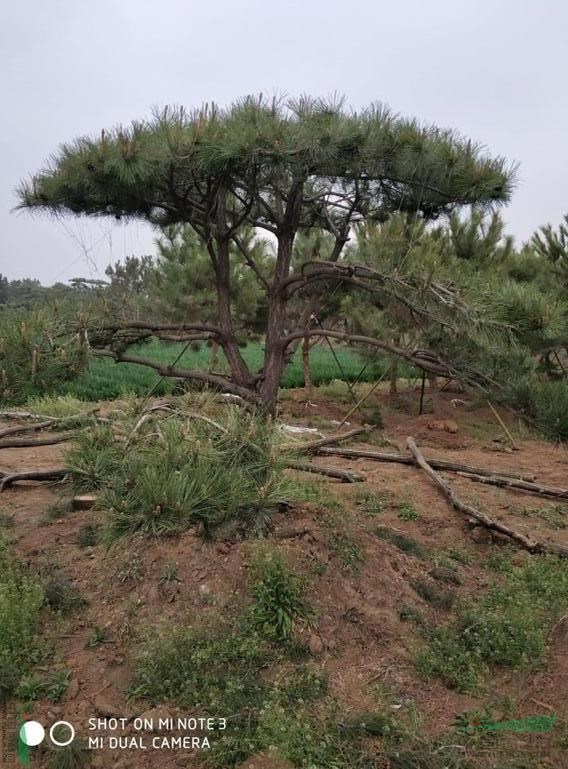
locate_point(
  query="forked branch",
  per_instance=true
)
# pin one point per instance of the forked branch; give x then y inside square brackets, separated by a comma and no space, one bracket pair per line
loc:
[533,546]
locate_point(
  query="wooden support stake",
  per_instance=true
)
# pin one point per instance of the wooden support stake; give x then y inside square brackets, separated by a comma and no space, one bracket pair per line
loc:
[504,426]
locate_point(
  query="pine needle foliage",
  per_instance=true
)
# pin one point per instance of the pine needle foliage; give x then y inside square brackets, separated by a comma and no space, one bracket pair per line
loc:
[36,357]
[153,168]
[283,166]
[183,472]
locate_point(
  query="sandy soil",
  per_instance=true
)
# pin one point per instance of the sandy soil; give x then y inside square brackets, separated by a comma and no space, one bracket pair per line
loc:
[360,640]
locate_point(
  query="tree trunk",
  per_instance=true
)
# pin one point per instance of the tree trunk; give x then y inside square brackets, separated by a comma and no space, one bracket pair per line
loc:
[308,384]
[393,386]
[274,351]
[273,356]
[214,355]
[237,365]
[434,392]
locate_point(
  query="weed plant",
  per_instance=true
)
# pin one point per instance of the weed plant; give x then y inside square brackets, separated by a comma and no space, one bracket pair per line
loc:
[507,627]
[21,599]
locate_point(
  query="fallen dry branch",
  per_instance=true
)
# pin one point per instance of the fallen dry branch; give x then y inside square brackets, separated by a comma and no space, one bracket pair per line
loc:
[19,443]
[24,415]
[479,474]
[533,546]
[32,475]
[46,418]
[438,464]
[15,429]
[330,472]
[533,488]
[315,445]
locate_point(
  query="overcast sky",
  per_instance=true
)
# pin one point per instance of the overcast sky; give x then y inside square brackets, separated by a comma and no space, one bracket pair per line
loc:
[496,70]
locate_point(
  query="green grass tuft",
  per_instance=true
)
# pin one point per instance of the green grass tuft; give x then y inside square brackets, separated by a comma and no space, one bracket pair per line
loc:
[51,686]
[21,599]
[407,512]
[403,542]
[369,502]
[507,627]
[432,594]
[61,595]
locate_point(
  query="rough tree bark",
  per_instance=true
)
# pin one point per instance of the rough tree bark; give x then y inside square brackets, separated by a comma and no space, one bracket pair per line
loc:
[308,383]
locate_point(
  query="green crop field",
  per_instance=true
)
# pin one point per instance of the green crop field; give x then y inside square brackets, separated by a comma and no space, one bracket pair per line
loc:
[106,379]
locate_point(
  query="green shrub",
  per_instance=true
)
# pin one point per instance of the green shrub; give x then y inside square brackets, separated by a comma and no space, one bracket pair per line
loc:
[446,573]
[88,535]
[34,358]
[301,685]
[407,512]
[7,520]
[218,669]
[373,415]
[94,458]
[308,740]
[457,554]
[369,502]
[96,638]
[434,595]
[21,599]
[408,613]
[197,473]
[278,600]
[349,552]
[73,756]
[555,516]
[545,403]
[317,493]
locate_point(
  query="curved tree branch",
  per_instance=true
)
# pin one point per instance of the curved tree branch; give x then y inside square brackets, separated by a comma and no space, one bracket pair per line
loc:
[215,380]
[417,358]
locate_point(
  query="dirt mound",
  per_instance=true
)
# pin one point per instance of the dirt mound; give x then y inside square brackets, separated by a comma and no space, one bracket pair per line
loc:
[363,586]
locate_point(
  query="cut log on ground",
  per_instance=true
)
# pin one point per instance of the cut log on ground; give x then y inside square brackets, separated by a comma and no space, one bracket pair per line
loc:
[438,464]
[520,485]
[330,472]
[83,502]
[533,546]
[56,474]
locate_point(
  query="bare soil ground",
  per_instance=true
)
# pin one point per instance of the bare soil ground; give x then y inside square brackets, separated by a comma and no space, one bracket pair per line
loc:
[360,641]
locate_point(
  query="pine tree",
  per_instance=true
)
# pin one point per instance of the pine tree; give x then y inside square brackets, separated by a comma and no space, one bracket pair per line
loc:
[281,167]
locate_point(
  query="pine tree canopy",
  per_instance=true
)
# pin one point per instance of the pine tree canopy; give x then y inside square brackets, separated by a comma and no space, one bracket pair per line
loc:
[241,163]
[286,166]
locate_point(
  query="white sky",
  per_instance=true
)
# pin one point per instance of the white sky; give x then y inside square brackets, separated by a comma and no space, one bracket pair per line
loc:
[496,70]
